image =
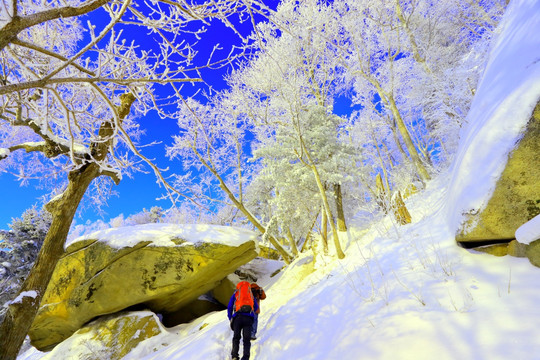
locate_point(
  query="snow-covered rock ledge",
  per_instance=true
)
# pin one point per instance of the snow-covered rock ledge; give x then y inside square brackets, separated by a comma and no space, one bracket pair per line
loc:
[162,266]
[494,185]
[164,235]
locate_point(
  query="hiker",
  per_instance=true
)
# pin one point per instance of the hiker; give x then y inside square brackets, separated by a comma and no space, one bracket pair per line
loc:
[258,293]
[241,312]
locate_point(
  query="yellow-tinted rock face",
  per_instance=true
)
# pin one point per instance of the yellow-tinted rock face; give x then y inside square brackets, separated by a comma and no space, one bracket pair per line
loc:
[223,291]
[97,280]
[533,253]
[516,198]
[110,337]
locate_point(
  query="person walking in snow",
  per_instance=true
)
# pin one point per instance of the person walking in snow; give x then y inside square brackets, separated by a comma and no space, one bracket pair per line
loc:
[241,312]
[258,294]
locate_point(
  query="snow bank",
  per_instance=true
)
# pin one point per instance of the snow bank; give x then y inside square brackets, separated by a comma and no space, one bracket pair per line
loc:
[506,96]
[163,235]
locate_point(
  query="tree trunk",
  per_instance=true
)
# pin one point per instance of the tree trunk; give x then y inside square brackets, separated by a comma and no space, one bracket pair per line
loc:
[383,190]
[395,135]
[335,235]
[286,257]
[292,242]
[408,142]
[389,100]
[20,315]
[240,206]
[308,236]
[342,225]
[381,197]
[324,229]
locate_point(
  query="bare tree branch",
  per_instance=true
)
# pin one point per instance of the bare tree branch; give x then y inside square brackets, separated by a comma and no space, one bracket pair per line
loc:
[44,82]
[50,53]
[18,24]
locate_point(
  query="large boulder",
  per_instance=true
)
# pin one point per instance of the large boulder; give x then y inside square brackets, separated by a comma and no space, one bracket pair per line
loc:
[162,266]
[516,198]
[223,292]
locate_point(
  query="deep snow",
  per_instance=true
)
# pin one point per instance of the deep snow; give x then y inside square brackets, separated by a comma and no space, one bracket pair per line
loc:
[405,292]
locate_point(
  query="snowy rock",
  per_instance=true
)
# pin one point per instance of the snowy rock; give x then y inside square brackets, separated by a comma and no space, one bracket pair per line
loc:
[223,291]
[517,249]
[533,253]
[516,197]
[496,250]
[110,337]
[163,266]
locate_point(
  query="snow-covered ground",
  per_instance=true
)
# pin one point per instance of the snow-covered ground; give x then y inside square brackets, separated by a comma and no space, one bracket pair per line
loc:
[402,292]
[406,292]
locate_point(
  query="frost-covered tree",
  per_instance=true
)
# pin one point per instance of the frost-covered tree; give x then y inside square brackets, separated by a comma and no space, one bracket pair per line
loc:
[33,225]
[67,87]
[19,249]
[214,142]
[372,47]
[449,41]
[303,159]
[413,59]
[295,75]
[154,215]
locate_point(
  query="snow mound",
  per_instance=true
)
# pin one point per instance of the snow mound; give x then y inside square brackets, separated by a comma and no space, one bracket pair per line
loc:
[163,235]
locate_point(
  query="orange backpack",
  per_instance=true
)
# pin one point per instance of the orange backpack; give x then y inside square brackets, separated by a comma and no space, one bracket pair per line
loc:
[244,302]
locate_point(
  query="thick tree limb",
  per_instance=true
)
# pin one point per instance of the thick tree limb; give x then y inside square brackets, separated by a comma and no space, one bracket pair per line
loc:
[29,147]
[113,175]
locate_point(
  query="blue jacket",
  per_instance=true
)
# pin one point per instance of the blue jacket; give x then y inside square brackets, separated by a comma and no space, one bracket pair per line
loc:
[232,314]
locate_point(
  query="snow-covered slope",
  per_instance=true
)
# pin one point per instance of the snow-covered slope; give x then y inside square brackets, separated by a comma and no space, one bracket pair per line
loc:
[401,293]
[407,292]
[411,295]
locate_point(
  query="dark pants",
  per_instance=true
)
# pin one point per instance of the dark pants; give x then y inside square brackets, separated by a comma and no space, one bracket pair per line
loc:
[242,325]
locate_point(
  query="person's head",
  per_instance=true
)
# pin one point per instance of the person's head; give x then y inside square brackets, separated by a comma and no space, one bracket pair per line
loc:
[256,289]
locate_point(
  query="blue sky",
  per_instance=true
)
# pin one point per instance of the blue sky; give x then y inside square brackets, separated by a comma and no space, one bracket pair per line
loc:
[141,191]
[134,194]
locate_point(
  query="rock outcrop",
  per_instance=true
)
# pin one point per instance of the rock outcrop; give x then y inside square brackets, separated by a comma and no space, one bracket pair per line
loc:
[533,253]
[98,279]
[516,198]
[110,337]
[222,292]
